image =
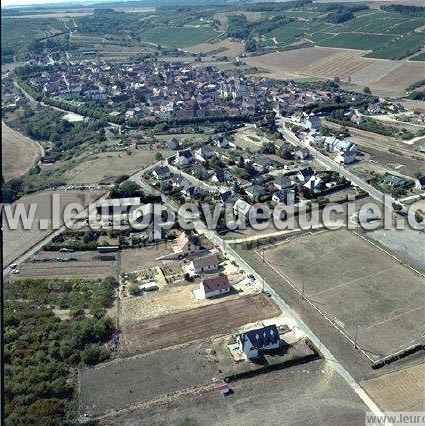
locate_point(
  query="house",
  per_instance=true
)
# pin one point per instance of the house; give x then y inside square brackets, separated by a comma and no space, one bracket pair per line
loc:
[255,191]
[261,164]
[312,122]
[187,243]
[204,153]
[394,180]
[205,264]
[173,144]
[222,142]
[211,287]
[252,343]
[420,183]
[161,173]
[191,192]
[282,182]
[284,196]
[305,174]
[358,119]
[314,184]
[345,157]
[302,154]
[226,195]
[241,209]
[221,176]
[184,157]
[180,181]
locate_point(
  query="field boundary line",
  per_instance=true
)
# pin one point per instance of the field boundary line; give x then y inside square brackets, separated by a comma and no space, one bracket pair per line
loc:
[390,254]
[324,315]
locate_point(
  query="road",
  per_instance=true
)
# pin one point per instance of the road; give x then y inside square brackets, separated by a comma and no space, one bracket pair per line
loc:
[330,164]
[48,238]
[233,256]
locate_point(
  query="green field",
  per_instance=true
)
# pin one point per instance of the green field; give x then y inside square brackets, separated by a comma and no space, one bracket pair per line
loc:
[420,57]
[287,32]
[178,37]
[400,48]
[356,41]
[408,26]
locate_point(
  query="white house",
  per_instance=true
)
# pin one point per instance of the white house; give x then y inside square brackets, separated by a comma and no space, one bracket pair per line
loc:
[252,343]
[188,244]
[215,286]
[205,264]
[420,183]
[161,173]
[241,209]
[184,157]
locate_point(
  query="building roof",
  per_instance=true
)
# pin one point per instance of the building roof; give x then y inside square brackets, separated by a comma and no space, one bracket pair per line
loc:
[205,261]
[220,282]
[394,180]
[261,337]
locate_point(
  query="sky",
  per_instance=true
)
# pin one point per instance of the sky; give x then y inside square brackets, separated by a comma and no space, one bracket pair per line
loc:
[27,2]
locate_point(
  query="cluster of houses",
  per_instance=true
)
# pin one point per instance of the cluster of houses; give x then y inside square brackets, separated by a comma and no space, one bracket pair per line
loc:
[161,90]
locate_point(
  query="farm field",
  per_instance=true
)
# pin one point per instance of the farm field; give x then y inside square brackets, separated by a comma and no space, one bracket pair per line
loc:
[356,41]
[420,57]
[401,390]
[107,165]
[400,48]
[16,242]
[164,302]
[142,258]
[312,393]
[181,327]
[19,153]
[86,264]
[354,284]
[134,380]
[179,37]
[228,48]
[383,77]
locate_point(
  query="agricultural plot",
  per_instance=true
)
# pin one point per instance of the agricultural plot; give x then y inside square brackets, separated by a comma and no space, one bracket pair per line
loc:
[179,37]
[226,47]
[186,326]
[356,286]
[87,264]
[356,41]
[408,26]
[401,390]
[118,384]
[18,241]
[401,47]
[287,32]
[19,152]
[420,57]
[107,165]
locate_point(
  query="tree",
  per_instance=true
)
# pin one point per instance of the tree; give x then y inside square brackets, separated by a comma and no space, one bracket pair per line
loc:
[158,156]
[367,90]
[94,354]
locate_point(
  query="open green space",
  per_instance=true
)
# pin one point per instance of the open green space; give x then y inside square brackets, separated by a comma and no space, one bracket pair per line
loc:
[355,41]
[420,57]
[178,37]
[400,48]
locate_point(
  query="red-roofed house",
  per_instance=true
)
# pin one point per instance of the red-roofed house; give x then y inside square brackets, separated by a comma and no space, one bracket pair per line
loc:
[211,287]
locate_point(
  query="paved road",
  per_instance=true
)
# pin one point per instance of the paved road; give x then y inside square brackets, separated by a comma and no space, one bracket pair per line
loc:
[233,256]
[330,164]
[48,238]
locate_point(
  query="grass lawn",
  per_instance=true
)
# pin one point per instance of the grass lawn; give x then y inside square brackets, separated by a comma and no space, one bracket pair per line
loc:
[178,37]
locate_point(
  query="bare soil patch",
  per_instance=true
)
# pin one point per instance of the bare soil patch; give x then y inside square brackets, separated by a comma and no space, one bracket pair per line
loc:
[19,153]
[401,390]
[123,382]
[181,327]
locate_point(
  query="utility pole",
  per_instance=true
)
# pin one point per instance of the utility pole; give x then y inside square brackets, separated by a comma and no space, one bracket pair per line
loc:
[263,256]
[302,291]
[355,338]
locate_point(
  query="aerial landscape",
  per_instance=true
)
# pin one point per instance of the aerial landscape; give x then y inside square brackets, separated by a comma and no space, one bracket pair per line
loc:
[213,212]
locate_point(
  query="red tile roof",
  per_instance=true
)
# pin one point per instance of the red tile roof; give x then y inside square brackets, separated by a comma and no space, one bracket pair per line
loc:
[221,282]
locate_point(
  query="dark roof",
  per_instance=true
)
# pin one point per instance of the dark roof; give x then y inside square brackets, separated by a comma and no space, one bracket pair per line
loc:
[221,282]
[202,262]
[187,153]
[395,180]
[307,172]
[261,337]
